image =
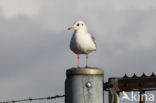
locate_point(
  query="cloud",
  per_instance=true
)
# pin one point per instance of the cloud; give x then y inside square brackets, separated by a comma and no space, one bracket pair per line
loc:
[13,8]
[29,54]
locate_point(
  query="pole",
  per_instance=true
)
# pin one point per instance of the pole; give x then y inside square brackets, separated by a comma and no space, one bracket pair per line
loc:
[84,85]
[113,90]
[142,96]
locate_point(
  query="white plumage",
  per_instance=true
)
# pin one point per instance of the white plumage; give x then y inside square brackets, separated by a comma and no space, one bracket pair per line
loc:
[81,42]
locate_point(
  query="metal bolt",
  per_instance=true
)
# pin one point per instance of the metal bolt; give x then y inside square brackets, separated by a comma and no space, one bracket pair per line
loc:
[88,84]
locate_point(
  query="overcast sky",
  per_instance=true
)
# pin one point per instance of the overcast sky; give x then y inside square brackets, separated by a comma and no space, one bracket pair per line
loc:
[34,42]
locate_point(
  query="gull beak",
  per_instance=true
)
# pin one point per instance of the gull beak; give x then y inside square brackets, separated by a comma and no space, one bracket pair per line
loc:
[71,28]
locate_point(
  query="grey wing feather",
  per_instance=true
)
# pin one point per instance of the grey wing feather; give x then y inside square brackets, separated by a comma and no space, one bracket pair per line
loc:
[93,39]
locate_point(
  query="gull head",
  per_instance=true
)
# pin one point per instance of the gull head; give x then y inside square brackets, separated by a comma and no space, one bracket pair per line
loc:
[79,25]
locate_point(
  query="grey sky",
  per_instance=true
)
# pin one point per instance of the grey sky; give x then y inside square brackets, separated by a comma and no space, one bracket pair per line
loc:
[34,51]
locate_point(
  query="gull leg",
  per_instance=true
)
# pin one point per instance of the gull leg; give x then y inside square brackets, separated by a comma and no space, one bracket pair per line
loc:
[78,66]
[86,60]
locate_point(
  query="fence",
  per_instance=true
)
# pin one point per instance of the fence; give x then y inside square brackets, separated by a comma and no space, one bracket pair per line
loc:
[34,99]
[142,84]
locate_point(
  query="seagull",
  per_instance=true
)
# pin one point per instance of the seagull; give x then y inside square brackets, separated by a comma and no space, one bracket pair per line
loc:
[81,42]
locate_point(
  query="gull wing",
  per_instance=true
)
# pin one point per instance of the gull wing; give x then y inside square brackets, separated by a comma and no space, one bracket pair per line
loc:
[93,38]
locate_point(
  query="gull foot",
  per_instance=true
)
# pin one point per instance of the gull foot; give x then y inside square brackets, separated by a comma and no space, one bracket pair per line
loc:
[76,67]
[86,66]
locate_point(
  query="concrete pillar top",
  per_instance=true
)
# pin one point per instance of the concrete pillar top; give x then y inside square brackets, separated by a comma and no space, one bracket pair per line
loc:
[85,71]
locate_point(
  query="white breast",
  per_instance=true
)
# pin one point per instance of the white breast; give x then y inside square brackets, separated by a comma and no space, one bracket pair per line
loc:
[82,43]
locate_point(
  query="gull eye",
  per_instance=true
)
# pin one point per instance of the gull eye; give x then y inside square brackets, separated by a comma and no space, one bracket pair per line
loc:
[77,24]
[82,24]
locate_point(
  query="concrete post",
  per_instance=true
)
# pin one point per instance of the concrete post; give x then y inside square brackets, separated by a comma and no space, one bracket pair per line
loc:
[113,90]
[84,85]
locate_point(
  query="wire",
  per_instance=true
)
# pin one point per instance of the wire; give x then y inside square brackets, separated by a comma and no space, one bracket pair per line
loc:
[34,99]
